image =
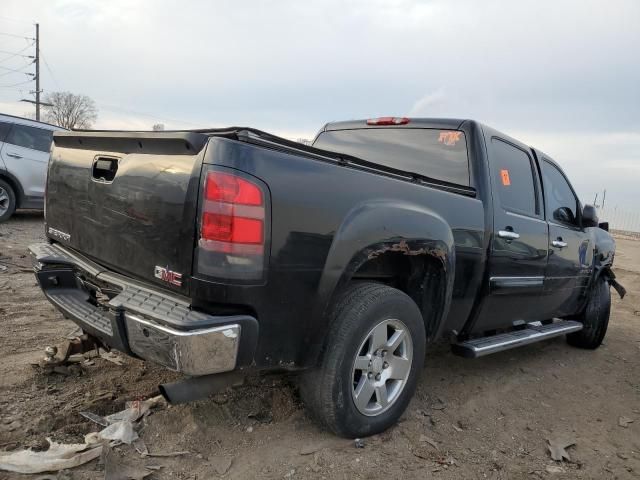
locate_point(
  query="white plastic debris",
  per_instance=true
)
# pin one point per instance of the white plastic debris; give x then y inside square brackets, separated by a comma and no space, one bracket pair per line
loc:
[134,410]
[58,457]
[120,431]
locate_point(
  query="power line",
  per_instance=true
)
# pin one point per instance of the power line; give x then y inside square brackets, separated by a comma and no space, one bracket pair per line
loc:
[19,20]
[19,69]
[46,64]
[16,84]
[107,106]
[13,73]
[15,36]
[16,54]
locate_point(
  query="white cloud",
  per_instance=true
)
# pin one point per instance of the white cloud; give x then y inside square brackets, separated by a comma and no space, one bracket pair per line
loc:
[563,71]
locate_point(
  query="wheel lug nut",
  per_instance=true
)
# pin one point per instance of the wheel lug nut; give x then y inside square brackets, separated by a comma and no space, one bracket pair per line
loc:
[370,375]
[384,353]
[378,377]
[385,365]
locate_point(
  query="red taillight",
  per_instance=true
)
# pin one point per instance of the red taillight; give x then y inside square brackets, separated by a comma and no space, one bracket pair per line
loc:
[388,121]
[224,187]
[233,214]
[232,229]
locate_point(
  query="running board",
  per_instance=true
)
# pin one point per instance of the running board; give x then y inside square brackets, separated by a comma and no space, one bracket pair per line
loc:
[534,332]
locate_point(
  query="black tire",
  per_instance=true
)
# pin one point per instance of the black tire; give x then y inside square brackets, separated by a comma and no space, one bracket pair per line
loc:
[328,391]
[7,201]
[595,318]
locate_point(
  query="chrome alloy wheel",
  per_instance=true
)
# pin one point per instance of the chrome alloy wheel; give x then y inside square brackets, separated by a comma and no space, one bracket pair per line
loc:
[381,367]
[4,201]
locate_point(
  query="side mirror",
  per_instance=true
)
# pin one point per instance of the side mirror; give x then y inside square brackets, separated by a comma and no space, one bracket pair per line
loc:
[604,226]
[589,216]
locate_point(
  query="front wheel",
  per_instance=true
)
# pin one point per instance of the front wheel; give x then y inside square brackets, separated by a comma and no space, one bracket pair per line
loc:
[595,318]
[370,367]
[7,201]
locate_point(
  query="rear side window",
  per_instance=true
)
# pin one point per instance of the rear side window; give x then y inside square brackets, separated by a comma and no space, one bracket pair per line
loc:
[30,137]
[438,154]
[513,178]
[4,130]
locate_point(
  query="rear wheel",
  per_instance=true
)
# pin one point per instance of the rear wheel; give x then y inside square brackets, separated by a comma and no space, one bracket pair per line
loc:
[7,201]
[595,318]
[370,367]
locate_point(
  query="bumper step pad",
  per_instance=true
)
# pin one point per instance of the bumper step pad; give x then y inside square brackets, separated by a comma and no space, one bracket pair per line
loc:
[534,332]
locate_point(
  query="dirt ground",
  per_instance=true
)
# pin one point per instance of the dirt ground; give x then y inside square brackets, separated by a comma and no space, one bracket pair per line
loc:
[485,418]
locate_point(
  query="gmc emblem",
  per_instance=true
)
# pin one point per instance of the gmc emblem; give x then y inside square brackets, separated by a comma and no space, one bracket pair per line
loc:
[166,275]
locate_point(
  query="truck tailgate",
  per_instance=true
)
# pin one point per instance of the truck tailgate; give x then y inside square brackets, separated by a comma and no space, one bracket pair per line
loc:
[128,200]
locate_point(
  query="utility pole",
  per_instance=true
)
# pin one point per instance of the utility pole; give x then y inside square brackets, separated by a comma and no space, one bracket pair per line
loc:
[37,91]
[38,72]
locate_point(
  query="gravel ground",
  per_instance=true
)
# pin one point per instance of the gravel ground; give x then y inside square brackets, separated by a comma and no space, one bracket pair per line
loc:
[485,418]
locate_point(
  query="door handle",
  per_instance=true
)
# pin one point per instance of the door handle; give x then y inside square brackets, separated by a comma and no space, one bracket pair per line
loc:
[559,243]
[14,155]
[508,234]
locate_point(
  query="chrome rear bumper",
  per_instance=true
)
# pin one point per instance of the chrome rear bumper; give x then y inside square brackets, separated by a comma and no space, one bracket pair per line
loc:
[139,320]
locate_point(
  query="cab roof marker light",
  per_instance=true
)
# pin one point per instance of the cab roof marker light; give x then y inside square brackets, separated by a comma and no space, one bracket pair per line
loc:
[388,121]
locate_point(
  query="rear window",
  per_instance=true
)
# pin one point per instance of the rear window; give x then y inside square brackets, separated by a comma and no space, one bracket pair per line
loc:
[438,154]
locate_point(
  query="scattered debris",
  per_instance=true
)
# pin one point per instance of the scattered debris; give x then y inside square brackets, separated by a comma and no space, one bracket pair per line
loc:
[50,353]
[624,422]
[557,446]
[112,357]
[116,469]
[76,332]
[309,449]
[221,464]
[262,417]
[140,447]
[359,443]
[58,457]
[167,454]
[440,405]
[430,441]
[554,469]
[120,431]
[78,345]
[95,418]
[134,410]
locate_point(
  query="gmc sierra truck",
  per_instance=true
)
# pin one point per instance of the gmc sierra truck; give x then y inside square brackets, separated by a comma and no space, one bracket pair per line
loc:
[216,251]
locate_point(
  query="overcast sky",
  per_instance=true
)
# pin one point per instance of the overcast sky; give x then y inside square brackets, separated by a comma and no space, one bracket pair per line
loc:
[563,76]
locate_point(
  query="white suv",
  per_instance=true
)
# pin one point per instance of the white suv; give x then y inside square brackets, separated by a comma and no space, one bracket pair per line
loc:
[24,155]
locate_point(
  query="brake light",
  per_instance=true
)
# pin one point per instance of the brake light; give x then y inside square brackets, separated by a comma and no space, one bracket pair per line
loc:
[388,121]
[229,188]
[233,215]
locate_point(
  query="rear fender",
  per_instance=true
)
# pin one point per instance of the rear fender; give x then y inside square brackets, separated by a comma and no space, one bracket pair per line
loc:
[374,228]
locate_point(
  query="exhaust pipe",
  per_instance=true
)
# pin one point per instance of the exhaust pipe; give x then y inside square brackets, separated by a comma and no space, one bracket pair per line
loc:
[197,388]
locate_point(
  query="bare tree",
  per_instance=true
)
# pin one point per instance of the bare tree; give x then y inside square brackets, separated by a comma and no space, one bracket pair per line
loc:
[69,110]
[158,127]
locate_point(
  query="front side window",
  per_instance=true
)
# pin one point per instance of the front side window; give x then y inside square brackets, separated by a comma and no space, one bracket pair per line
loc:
[30,137]
[562,204]
[513,178]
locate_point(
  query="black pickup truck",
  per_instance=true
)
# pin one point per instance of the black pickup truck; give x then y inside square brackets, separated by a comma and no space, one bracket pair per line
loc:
[221,250]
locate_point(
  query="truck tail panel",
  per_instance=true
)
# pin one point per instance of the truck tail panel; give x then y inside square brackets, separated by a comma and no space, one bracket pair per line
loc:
[128,200]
